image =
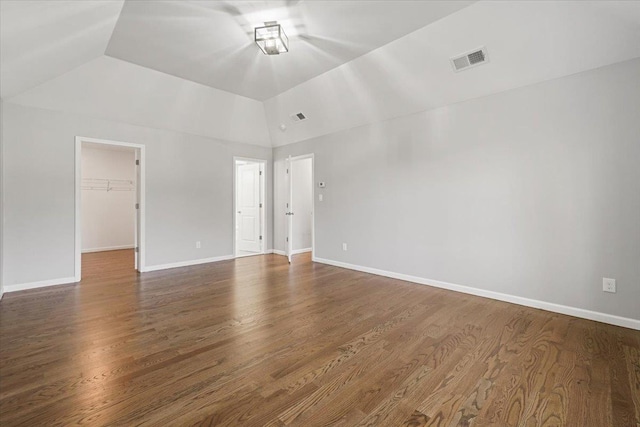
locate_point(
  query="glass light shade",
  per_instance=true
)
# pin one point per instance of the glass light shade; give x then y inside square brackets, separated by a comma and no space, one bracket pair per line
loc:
[271,39]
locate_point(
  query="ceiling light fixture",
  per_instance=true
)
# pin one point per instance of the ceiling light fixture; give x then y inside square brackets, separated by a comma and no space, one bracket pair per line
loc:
[271,39]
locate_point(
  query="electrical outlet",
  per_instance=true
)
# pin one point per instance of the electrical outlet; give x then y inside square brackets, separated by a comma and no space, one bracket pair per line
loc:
[344,246]
[198,244]
[609,285]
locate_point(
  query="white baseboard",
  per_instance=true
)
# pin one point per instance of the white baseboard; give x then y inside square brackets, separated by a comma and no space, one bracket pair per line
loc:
[296,252]
[108,248]
[66,280]
[268,251]
[543,305]
[300,251]
[186,263]
[40,284]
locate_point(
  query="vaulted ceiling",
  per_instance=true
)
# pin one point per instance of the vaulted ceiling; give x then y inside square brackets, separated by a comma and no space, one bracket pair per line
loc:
[208,42]
[40,40]
[211,42]
[191,66]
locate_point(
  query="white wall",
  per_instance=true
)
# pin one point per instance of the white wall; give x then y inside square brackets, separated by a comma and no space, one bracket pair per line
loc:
[532,192]
[302,203]
[1,201]
[129,93]
[527,42]
[42,39]
[108,217]
[188,191]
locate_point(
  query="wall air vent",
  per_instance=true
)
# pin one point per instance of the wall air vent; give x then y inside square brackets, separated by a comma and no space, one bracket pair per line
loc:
[298,117]
[470,59]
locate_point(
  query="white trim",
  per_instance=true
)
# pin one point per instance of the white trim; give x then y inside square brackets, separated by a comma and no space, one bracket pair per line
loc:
[266,252]
[297,251]
[187,263]
[301,251]
[40,284]
[263,199]
[251,254]
[107,248]
[313,196]
[78,202]
[543,305]
[77,272]
[288,243]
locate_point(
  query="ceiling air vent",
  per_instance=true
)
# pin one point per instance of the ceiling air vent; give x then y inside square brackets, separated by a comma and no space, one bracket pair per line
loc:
[470,59]
[298,117]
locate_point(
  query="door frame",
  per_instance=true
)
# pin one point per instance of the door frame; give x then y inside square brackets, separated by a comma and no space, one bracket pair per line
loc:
[292,159]
[263,200]
[141,227]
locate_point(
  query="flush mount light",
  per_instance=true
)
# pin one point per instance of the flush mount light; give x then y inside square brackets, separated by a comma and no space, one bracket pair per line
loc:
[271,39]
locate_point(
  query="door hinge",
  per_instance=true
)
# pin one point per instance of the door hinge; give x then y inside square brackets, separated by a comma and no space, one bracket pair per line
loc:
[137,162]
[287,171]
[137,205]
[137,249]
[260,237]
[260,204]
[287,205]
[287,239]
[260,173]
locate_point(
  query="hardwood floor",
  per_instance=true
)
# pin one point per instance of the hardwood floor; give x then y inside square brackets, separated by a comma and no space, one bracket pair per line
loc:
[257,342]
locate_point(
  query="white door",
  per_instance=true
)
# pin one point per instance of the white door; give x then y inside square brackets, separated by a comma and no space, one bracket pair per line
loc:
[248,208]
[289,209]
[302,171]
[136,222]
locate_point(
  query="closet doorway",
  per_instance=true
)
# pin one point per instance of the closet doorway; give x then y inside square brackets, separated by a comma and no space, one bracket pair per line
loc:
[109,224]
[249,206]
[299,206]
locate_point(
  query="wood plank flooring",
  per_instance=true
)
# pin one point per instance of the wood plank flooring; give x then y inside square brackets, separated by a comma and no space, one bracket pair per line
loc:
[257,342]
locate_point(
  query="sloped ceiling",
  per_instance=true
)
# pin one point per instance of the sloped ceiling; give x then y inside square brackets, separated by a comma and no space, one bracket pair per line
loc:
[111,89]
[527,42]
[40,40]
[211,42]
[185,65]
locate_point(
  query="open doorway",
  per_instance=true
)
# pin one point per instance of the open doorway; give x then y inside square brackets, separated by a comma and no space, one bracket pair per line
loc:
[109,227]
[300,229]
[249,206]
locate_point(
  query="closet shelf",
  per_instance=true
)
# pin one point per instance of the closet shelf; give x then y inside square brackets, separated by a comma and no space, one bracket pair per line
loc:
[102,184]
